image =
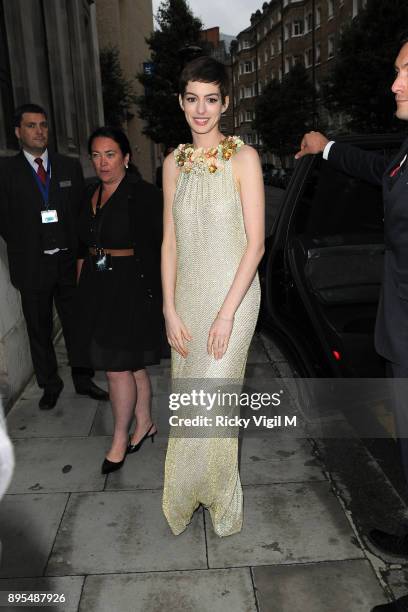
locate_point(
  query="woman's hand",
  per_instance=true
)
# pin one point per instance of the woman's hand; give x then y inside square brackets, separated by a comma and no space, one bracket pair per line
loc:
[218,337]
[177,333]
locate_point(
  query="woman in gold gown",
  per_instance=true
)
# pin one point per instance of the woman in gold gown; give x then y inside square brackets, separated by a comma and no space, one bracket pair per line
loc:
[212,244]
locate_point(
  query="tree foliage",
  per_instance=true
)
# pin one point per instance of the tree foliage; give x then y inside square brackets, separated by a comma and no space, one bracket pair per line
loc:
[171,46]
[117,91]
[284,112]
[359,85]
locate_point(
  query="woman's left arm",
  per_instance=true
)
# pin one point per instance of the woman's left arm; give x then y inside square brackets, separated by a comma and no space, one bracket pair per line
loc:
[248,174]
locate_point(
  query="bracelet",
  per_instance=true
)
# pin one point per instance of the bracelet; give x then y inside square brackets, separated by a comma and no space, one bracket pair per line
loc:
[223,318]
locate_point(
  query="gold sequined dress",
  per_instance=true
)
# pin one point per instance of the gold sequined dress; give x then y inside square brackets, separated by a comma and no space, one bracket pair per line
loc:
[211,241]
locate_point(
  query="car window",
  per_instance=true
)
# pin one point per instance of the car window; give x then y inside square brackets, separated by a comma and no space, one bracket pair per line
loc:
[335,207]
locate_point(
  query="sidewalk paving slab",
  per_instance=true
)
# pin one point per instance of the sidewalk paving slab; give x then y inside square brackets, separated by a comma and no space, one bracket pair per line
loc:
[349,586]
[69,586]
[278,458]
[190,591]
[142,470]
[123,531]
[28,526]
[72,416]
[286,523]
[50,465]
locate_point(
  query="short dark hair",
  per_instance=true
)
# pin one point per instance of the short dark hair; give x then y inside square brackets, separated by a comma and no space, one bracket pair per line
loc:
[205,70]
[27,108]
[403,38]
[116,134]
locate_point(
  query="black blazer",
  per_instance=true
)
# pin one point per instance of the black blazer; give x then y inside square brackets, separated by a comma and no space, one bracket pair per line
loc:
[20,213]
[391,333]
[146,221]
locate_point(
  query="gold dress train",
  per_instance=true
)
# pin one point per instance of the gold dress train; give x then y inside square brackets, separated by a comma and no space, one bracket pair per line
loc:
[211,241]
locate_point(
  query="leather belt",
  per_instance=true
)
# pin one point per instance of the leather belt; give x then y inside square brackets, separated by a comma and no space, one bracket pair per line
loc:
[115,252]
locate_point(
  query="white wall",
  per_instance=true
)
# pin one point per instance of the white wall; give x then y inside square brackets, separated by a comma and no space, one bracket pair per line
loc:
[15,359]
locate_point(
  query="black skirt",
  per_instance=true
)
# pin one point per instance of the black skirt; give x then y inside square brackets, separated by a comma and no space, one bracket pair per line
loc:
[117,323]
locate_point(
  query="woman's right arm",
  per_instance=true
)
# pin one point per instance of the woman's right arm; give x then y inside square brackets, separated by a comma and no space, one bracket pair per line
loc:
[177,332]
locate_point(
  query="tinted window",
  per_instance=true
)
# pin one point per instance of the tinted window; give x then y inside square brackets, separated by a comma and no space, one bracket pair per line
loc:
[336,206]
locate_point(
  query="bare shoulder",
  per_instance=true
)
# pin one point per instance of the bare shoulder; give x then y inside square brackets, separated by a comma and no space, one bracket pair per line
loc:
[169,163]
[170,171]
[247,155]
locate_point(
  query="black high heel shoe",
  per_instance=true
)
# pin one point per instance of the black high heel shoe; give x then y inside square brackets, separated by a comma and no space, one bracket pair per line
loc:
[112,466]
[133,448]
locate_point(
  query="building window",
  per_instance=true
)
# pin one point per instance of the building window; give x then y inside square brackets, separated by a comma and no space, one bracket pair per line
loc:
[318,53]
[288,63]
[248,66]
[272,49]
[266,56]
[249,115]
[280,75]
[308,58]
[318,16]
[309,22]
[248,92]
[241,117]
[355,8]
[241,93]
[287,30]
[236,121]
[259,62]
[280,45]
[249,138]
[297,28]
[330,9]
[246,44]
[330,46]
[279,15]
[272,22]
[265,30]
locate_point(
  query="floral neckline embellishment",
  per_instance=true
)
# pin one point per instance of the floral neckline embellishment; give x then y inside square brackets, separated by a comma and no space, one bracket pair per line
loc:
[211,160]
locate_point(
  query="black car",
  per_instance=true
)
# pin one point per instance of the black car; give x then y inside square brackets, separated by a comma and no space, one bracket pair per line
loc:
[322,269]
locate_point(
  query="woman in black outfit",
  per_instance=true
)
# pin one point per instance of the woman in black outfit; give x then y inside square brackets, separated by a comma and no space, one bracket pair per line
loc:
[118,299]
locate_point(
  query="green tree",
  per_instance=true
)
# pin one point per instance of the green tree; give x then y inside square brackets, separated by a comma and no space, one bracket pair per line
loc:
[359,85]
[170,47]
[284,112]
[117,91]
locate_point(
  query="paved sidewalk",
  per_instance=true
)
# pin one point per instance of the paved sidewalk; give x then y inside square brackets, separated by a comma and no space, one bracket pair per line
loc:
[104,543]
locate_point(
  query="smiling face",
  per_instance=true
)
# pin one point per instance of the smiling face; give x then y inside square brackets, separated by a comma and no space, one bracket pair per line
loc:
[33,133]
[108,159]
[400,85]
[202,105]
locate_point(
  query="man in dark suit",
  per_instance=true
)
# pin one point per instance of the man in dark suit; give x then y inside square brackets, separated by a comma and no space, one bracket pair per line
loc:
[391,333]
[40,194]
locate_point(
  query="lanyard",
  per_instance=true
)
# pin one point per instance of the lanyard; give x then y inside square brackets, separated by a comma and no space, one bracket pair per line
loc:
[44,189]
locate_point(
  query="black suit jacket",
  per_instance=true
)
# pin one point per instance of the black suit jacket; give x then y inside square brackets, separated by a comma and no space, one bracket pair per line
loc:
[20,213]
[391,333]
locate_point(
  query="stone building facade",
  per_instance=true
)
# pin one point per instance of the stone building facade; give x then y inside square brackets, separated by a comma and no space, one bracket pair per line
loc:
[125,24]
[282,33]
[49,56]
[214,46]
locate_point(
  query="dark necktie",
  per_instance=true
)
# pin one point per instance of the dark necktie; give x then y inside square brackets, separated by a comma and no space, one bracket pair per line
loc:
[42,175]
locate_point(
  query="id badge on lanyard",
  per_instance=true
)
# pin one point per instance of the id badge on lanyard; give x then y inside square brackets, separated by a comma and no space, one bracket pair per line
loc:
[49,215]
